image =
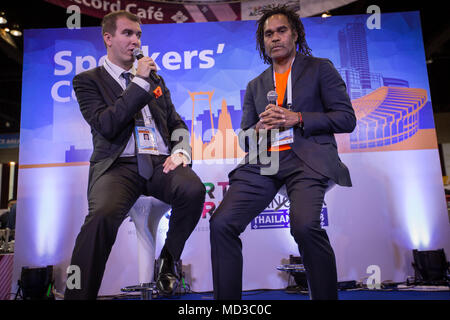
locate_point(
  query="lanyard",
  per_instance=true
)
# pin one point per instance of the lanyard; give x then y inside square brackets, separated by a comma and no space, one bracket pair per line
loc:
[148,119]
[288,87]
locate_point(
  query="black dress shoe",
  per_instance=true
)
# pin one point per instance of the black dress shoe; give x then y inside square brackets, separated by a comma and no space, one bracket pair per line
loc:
[168,280]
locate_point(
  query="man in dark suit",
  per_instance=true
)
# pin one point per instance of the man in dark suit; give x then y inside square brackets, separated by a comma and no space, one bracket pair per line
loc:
[312,105]
[121,104]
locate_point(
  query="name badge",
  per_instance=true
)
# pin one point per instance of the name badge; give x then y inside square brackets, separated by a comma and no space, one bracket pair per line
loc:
[146,140]
[283,137]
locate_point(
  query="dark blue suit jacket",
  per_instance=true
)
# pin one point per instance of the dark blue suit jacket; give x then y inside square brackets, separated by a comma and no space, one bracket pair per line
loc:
[320,94]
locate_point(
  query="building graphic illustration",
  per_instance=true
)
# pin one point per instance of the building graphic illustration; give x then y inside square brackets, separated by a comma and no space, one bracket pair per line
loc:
[387,110]
[224,142]
[387,116]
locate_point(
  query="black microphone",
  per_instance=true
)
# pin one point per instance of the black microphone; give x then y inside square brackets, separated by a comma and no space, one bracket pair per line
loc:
[138,54]
[272,97]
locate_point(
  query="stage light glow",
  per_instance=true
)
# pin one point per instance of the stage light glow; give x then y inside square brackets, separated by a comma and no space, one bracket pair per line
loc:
[49,208]
[415,213]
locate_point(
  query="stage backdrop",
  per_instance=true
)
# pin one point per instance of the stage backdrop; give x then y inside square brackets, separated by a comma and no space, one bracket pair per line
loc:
[396,203]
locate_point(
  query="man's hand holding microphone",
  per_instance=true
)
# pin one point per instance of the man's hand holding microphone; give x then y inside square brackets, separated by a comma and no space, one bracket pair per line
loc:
[146,67]
[275,117]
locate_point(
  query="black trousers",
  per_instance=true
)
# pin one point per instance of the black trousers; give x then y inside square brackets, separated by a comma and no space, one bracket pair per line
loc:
[248,195]
[110,199]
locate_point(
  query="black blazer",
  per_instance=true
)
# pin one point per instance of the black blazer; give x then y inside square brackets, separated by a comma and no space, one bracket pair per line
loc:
[320,94]
[110,111]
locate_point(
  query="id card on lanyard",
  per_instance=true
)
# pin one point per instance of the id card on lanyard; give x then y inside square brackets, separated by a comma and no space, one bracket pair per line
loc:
[285,136]
[146,135]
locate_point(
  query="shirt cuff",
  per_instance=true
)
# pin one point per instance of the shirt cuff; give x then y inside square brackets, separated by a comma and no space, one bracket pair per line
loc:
[142,83]
[184,153]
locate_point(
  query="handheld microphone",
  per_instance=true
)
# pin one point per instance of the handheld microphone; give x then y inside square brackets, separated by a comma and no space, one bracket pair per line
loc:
[272,97]
[138,54]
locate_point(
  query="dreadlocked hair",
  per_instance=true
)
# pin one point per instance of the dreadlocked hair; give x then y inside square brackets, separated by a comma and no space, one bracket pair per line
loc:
[294,22]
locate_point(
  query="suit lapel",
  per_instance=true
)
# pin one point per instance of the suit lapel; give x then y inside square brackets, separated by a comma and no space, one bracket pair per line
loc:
[268,80]
[157,107]
[154,107]
[297,70]
[267,84]
[114,88]
[299,66]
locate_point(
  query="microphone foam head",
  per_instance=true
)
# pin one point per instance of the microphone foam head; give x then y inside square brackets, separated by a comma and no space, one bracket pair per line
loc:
[137,52]
[272,96]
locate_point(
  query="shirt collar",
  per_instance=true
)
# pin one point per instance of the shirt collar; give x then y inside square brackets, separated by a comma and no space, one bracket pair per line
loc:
[116,70]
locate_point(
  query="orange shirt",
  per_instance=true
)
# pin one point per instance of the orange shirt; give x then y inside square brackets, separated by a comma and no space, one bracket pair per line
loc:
[281,82]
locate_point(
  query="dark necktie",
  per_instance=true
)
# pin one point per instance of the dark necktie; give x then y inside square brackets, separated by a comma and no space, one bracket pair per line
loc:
[128,76]
[144,161]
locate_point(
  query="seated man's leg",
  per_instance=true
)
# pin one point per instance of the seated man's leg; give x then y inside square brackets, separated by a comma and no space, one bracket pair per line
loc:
[306,190]
[110,199]
[185,192]
[248,195]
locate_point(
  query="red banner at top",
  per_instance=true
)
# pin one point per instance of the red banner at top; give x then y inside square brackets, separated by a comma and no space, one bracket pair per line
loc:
[157,12]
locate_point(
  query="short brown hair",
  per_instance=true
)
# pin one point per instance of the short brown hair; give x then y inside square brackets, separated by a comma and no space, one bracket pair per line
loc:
[109,21]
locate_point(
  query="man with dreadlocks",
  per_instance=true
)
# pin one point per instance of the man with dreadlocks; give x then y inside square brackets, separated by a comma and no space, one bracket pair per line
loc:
[312,105]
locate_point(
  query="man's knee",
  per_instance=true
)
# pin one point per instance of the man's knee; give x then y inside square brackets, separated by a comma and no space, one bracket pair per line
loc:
[217,223]
[304,229]
[193,190]
[222,223]
[198,190]
[105,212]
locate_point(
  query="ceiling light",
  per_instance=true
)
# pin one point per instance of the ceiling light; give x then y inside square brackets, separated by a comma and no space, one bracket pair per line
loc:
[2,18]
[15,31]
